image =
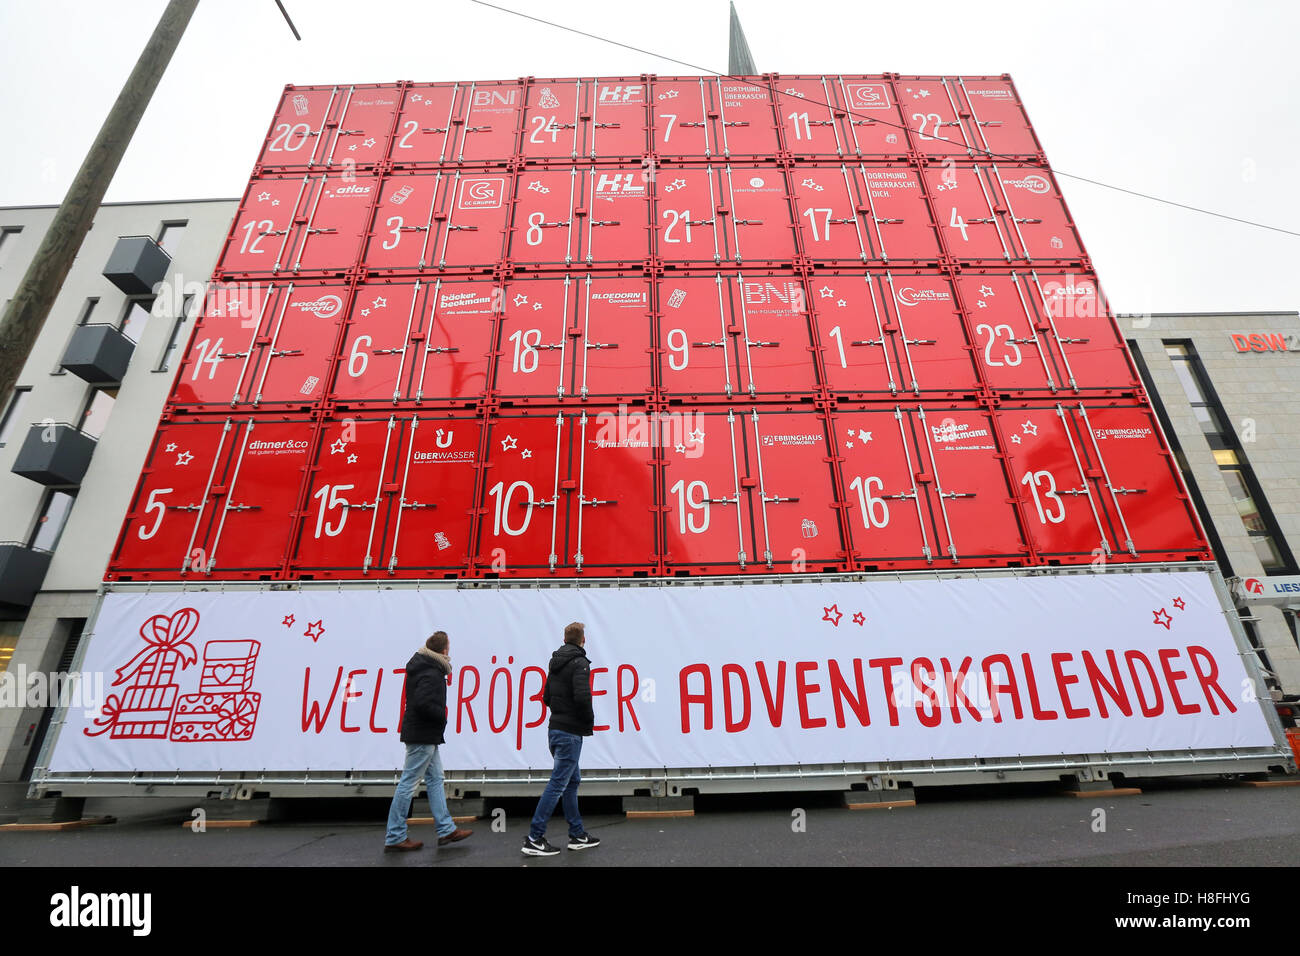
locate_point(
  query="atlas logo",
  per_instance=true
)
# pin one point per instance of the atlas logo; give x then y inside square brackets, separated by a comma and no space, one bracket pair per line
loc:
[326,307]
[353,190]
[1254,586]
[910,297]
[619,183]
[868,96]
[482,193]
[1033,182]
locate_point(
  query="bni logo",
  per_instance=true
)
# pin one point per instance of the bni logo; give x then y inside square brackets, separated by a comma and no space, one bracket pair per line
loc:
[482,193]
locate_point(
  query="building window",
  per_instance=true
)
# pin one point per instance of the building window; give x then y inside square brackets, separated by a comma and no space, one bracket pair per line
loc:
[98,407]
[86,311]
[9,633]
[8,239]
[170,236]
[135,317]
[54,515]
[12,417]
[1243,486]
[174,340]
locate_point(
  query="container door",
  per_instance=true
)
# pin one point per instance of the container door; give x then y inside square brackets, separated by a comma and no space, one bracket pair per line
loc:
[697,343]
[1093,356]
[343,520]
[172,502]
[523,512]
[1035,213]
[806,107]
[534,355]
[873,123]
[402,233]
[889,521]
[365,125]
[703,520]
[615,522]
[295,360]
[1046,467]
[543,227]
[792,493]
[997,119]
[490,120]
[378,353]
[221,349]
[774,345]
[551,121]
[617,210]
[976,519]
[930,342]
[474,220]
[687,226]
[298,137]
[931,114]
[618,120]
[851,323]
[747,124]
[615,350]
[1010,353]
[434,490]
[452,352]
[680,111]
[896,220]
[338,216]
[965,201]
[425,133]
[762,227]
[825,211]
[264,234]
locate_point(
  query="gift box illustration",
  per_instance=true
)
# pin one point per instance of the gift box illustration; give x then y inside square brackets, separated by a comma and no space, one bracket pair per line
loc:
[200,717]
[151,706]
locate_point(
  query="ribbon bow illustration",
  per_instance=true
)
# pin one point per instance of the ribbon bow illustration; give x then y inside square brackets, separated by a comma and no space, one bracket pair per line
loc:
[107,716]
[163,634]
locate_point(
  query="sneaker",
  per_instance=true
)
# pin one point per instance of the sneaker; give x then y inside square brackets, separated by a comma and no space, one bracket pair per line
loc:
[540,847]
[583,842]
[454,837]
[405,846]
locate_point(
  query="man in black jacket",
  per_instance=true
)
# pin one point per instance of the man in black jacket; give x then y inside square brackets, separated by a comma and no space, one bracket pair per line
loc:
[568,695]
[423,724]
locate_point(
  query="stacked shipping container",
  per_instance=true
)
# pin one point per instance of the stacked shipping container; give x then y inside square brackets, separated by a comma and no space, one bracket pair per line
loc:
[651,326]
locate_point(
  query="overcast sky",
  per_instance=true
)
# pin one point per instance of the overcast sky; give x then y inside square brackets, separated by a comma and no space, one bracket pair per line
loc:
[1193,102]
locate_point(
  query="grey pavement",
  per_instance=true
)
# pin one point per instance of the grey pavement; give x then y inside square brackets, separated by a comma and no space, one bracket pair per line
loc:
[1174,825]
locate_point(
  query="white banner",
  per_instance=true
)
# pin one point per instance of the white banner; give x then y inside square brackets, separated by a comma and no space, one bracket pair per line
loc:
[682,676]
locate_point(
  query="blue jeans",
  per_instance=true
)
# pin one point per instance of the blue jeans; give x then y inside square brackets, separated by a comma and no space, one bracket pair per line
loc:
[422,760]
[562,787]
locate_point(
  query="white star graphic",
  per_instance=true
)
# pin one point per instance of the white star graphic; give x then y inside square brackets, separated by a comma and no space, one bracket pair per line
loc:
[923,93]
[841,303]
[985,291]
[679,448]
[352,148]
[232,305]
[416,97]
[864,436]
[526,453]
[379,303]
[1016,439]
[848,444]
[696,436]
[668,95]
[520,299]
[338,447]
[508,442]
[981,304]
[352,459]
[537,306]
[275,202]
[1029,428]
[171,447]
[368,142]
[365,311]
[808,183]
[793,92]
[826,292]
[263,196]
[184,458]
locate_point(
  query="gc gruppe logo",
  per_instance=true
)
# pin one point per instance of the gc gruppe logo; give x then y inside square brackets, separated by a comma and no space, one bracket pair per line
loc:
[482,193]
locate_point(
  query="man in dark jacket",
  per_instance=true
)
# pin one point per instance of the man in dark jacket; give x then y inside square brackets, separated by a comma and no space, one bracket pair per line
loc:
[423,723]
[568,695]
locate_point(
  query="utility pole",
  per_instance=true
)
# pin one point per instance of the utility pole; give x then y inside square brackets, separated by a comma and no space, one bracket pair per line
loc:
[31,304]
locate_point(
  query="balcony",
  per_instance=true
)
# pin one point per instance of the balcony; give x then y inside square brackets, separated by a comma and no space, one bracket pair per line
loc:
[22,569]
[136,265]
[99,355]
[54,454]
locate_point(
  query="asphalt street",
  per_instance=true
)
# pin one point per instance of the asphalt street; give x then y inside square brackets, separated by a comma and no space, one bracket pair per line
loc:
[1178,825]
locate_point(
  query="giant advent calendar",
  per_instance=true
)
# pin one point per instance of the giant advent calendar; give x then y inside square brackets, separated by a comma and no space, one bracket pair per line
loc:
[652,326]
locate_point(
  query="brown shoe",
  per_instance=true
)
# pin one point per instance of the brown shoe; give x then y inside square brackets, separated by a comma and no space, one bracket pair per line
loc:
[405,846]
[454,837]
